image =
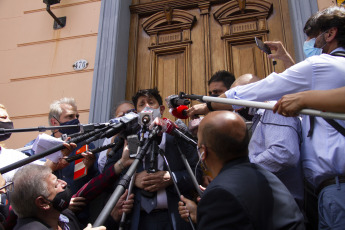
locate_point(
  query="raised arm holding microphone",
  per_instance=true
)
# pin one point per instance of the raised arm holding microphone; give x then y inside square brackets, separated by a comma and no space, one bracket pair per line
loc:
[322,146]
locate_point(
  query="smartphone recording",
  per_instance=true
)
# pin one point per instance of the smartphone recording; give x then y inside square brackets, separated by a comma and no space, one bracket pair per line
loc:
[262,46]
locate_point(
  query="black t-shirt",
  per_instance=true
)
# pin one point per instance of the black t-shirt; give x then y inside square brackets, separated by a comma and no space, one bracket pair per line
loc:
[36,224]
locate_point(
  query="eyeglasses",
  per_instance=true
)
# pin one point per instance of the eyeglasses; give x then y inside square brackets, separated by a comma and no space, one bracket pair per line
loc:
[8,186]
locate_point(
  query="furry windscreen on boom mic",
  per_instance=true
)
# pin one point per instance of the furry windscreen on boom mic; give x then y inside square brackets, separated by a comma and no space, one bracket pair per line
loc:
[173,101]
[180,112]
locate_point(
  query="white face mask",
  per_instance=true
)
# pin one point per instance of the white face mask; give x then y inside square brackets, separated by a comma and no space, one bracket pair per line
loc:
[155,112]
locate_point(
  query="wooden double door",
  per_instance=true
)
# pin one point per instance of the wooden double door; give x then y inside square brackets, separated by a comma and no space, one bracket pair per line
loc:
[177,45]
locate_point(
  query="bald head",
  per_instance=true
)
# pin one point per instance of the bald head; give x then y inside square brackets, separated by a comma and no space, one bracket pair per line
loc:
[225,133]
[245,79]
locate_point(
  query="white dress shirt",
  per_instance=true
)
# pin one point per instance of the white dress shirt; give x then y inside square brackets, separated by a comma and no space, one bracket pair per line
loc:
[323,155]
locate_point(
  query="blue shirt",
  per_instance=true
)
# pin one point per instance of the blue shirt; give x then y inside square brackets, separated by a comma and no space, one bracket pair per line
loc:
[323,155]
[275,145]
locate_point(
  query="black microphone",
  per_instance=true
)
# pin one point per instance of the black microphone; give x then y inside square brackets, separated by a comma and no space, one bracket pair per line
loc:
[131,128]
[118,144]
[172,129]
[174,101]
[155,131]
[121,123]
[94,151]
[183,128]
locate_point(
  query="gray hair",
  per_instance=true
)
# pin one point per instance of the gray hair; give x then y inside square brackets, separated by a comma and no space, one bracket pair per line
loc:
[55,108]
[29,183]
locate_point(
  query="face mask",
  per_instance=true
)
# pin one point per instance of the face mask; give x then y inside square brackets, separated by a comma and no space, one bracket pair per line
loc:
[5,125]
[155,112]
[62,199]
[310,50]
[214,95]
[70,130]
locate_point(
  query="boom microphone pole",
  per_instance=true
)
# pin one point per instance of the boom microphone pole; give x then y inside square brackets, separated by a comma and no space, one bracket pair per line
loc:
[93,151]
[86,128]
[123,183]
[189,170]
[260,105]
[123,222]
[161,152]
[50,151]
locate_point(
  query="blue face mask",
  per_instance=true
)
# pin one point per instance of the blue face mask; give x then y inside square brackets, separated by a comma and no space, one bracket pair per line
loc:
[310,50]
[70,131]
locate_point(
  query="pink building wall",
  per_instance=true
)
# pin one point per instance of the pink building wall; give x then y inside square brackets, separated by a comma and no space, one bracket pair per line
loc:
[36,61]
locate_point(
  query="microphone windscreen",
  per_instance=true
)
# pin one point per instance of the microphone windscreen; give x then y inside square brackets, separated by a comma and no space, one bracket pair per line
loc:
[179,112]
[170,126]
[124,119]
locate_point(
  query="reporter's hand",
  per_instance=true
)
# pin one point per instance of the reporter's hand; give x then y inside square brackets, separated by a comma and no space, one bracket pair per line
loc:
[123,206]
[187,208]
[195,110]
[69,148]
[62,163]
[160,122]
[89,227]
[77,204]
[89,159]
[289,105]
[280,53]
[125,159]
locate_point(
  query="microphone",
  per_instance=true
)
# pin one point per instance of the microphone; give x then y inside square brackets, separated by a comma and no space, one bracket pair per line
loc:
[155,131]
[180,112]
[128,117]
[94,151]
[184,128]
[145,118]
[116,147]
[174,101]
[121,123]
[173,129]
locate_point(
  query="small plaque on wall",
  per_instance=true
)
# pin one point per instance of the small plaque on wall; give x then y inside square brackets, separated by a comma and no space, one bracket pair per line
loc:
[80,64]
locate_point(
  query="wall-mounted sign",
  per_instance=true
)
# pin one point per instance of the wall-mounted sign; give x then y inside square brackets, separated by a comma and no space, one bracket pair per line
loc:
[80,64]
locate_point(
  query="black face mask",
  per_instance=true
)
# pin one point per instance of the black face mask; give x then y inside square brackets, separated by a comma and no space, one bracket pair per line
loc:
[69,131]
[5,125]
[245,114]
[62,199]
[214,95]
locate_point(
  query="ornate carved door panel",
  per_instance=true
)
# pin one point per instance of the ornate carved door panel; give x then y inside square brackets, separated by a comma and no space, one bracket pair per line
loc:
[177,45]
